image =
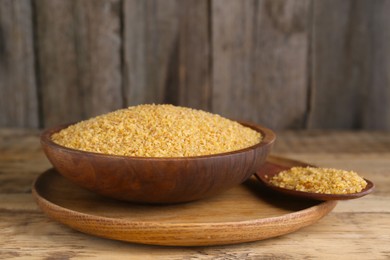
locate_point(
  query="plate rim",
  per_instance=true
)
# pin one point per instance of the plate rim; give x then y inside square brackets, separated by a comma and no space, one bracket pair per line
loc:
[79,221]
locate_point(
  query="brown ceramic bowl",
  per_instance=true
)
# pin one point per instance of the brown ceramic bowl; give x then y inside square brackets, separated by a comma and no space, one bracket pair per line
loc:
[157,180]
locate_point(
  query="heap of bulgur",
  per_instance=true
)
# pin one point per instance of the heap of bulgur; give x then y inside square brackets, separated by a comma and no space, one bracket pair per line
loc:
[319,180]
[157,131]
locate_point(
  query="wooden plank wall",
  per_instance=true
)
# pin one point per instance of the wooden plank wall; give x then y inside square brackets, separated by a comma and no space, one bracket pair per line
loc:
[281,63]
[18,85]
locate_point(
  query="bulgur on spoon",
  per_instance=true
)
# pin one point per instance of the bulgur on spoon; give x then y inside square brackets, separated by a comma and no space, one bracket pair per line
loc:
[317,183]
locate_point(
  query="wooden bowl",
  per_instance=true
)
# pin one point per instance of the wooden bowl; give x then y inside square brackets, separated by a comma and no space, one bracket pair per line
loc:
[157,180]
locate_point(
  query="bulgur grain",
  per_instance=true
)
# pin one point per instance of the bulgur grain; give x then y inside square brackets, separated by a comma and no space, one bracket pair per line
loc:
[157,131]
[319,180]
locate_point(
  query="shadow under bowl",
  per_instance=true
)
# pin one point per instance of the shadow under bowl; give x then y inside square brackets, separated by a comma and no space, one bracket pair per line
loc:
[154,179]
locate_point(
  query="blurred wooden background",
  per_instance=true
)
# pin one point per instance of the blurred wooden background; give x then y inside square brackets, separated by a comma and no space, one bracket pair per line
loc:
[287,64]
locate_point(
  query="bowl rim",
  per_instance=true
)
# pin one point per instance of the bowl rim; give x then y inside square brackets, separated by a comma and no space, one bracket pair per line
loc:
[268,138]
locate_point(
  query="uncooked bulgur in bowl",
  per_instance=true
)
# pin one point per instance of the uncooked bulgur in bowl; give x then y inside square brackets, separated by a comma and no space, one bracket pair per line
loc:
[157,153]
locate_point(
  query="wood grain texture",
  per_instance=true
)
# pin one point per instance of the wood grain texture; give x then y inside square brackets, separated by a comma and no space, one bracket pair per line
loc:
[21,160]
[376,113]
[333,142]
[157,180]
[18,88]
[166,52]
[349,228]
[259,61]
[236,216]
[350,65]
[286,64]
[150,38]
[32,235]
[194,68]
[78,46]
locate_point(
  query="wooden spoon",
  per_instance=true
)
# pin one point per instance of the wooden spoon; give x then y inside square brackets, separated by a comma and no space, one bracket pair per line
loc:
[269,170]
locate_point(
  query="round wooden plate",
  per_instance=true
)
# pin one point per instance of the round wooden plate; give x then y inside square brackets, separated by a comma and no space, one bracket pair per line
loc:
[247,212]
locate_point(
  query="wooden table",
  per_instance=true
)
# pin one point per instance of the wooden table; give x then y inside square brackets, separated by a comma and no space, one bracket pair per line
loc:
[354,229]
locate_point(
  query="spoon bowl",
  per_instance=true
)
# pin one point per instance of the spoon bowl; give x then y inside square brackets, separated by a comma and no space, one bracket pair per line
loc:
[267,171]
